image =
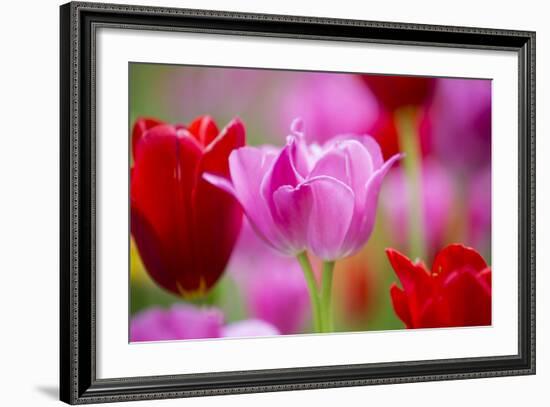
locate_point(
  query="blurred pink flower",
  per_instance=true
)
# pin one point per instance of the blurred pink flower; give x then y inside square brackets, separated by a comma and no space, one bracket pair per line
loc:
[329,103]
[249,327]
[181,321]
[461,122]
[319,198]
[479,208]
[273,286]
[437,201]
[185,321]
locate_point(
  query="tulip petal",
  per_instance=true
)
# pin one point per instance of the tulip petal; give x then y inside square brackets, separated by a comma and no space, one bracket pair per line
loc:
[140,127]
[216,153]
[400,305]
[432,314]
[368,142]
[330,217]
[215,213]
[413,277]
[360,163]
[457,256]
[292,208]
[484,276]
[249,167]
[374,150]
[334,163]
[151,251]
[163,178]
[283,172]
[468,300]
[365,211]
[204,129]
[220,182]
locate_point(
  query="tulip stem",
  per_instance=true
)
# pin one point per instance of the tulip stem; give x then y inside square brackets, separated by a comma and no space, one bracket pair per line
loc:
[326,296]
[313,293]
[406,120]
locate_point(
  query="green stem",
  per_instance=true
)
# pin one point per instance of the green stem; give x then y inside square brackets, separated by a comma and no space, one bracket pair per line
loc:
[312,287]
[409,141]
[326,296]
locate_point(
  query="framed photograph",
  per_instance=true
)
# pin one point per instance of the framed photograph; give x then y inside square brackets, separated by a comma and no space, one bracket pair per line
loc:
[255,203]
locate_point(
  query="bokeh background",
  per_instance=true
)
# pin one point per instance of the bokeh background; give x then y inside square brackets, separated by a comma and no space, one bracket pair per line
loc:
[453,131]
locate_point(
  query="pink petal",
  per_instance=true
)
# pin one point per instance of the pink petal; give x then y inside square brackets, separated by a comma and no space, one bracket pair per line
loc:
[292,208]
[370,144]
[364,222]
[282,172]
[249,168]
[330,217]
[334,163]
[374,150]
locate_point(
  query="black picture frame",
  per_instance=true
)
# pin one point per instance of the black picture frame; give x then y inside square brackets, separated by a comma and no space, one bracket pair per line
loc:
[78,382]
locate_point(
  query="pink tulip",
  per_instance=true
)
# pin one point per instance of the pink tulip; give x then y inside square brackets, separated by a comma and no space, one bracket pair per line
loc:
[181,321]
[186,321]
[309,197]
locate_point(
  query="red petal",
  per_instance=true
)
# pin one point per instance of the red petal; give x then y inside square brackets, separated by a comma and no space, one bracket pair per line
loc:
[455,257]
[140,127]
[217,213]
[401,305]
[216,154]
[151,251]
[204,129]
[416,281]
[467,298]
[412,276]
[432,315]
[485,277]
[163,178]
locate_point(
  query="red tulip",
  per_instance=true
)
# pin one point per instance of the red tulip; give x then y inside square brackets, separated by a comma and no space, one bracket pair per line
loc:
[184,227]
[457,292]
[384,131]
[394,92]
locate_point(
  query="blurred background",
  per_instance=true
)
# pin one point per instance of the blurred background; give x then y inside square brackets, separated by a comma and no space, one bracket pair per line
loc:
[449,144]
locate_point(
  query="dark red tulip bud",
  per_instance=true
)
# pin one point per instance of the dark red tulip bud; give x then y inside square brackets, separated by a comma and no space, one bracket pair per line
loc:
[184,228]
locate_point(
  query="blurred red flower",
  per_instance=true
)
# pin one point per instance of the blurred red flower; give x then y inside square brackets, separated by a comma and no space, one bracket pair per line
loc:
[394,92]
[457,292]
[384,131]
[184,227]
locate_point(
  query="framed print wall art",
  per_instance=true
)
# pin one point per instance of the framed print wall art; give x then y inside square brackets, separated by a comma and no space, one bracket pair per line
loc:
[257,203]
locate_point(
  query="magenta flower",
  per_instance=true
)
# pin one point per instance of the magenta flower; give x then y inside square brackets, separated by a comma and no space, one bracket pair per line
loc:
[329,103]
[182,321]
[249,327]
[272,285]
[479,209]
[437,196]
[461,122]
[309,197]
[185,321]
